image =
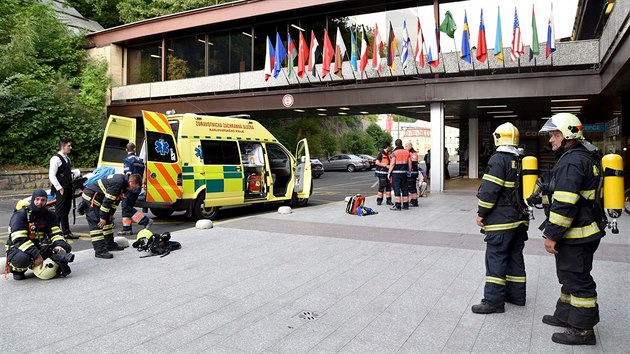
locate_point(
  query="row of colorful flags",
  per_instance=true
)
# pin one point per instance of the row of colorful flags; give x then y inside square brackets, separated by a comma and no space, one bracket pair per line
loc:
[275,55]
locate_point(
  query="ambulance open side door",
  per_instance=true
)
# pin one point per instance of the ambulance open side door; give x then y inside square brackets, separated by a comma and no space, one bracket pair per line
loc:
[303,177]
[118,133]
[163,169]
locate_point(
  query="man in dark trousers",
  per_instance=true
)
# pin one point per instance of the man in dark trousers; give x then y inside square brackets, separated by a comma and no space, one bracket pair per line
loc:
[573,228]
[502,218]
[99,204]
[60,175]
[399,169]
[382,167]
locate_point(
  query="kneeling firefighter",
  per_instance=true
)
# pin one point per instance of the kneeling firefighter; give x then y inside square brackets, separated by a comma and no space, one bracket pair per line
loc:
[503,218]
[99,205]
[36,242]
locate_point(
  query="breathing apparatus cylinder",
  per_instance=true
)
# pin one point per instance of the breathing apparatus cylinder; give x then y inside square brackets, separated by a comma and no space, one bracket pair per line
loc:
[613,190]
[530,175]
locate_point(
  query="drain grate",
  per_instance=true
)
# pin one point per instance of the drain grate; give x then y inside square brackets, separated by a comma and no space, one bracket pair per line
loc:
[308,315]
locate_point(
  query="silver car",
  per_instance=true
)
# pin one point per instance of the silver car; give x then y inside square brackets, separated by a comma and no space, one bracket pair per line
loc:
[346,162]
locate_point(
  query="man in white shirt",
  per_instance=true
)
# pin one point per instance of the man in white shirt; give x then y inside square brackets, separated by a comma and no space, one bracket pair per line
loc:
[60,175]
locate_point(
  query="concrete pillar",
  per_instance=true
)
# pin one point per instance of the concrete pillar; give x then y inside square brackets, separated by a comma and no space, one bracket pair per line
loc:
[437,147]
[473,148]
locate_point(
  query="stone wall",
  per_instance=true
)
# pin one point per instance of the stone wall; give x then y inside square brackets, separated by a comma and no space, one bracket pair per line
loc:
[28,179]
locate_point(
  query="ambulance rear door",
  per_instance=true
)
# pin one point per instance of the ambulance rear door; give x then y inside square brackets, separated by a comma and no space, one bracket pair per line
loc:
[118,133]
[163,170]
[303,177]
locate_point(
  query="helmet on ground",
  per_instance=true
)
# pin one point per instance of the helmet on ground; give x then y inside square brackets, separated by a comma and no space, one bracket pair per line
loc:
[47,270]
[506,134]
[568,124]
[144,233]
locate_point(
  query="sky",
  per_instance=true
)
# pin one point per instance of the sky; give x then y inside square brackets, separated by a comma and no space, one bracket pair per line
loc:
[563,17]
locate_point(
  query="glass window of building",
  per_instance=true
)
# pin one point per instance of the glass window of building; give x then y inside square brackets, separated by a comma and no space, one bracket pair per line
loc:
[144,64]
[186,57]
[262,32]
[218,45]
[241,50]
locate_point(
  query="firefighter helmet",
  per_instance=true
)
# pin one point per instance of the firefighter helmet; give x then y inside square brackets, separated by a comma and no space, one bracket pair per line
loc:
[506,134]
[144,233]
[47,270]
[568,124]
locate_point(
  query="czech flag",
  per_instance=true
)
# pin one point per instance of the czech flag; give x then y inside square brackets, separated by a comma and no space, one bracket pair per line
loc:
[269,59]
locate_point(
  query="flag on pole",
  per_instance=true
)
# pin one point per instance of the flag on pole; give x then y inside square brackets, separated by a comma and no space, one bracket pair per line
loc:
[405,47]
[365,50]
[327,54]
[313,54]
[551,36]
[302,56]
[291,55]
[281,53]
[517,43]
[482,47]
[420,46]
[466,41]
[269,59]
[498,41]
[378,46]
[534,49]
[433,54]
[354,49]
[391,48]
[340,52]
[448,26]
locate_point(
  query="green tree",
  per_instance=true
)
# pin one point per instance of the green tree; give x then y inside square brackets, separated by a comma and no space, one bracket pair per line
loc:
[378,135]
[48,88]
[358,142]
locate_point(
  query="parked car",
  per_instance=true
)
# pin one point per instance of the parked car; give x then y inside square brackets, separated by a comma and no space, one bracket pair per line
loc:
[371,160]
[346,162]
[317,169]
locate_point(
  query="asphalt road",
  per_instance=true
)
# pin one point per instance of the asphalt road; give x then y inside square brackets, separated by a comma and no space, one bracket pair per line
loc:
[332,187]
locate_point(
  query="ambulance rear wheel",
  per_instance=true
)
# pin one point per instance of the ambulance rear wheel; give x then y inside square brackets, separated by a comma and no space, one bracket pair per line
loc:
[201,212]
[161,213]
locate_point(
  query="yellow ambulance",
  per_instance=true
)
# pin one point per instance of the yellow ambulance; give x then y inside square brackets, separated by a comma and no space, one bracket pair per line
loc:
[199,164]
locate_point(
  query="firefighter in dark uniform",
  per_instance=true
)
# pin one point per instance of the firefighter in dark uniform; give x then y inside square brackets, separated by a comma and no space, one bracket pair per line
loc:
[99,204]
[573,228]
[399,169]
[384,185]
[412,181]
[503,218]
[35,235]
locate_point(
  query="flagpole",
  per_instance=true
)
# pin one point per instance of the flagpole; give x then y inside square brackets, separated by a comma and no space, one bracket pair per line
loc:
[456,54]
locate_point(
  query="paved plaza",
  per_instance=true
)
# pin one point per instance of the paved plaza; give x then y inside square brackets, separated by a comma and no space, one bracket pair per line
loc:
[318,281]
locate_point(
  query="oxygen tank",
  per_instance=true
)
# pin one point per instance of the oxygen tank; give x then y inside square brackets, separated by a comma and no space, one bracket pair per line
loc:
[530,175]
[613,190]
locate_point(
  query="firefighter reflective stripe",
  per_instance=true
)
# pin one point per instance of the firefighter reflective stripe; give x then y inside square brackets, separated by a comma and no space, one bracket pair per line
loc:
[560,220]
[588,194]
[565,298]
[57,238]
[508,226]
[104,210]
[55,230]
[582,232]
[515,279]
[494,179]
[102,187]
[485,204]
[494,280]
[508,184]
[96,235]
[584,302]
[19,234]
[107,229]
[566,197]
[545,200]
[26,245]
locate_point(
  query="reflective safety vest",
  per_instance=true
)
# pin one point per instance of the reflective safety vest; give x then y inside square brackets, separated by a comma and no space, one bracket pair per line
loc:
[400,158]
[383,157]
[414,161]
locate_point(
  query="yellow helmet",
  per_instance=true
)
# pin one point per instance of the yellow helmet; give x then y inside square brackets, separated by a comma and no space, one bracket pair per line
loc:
[47,270]
[568,124]
[144,233]
[506,134]
[22,204]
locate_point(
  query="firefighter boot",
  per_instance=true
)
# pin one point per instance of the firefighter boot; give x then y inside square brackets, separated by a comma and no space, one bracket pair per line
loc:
[388,201]
[554,321]
[405,206]
[18,276]
[485,308]
[100,250]
[111,245]
[126,231]
[575,336]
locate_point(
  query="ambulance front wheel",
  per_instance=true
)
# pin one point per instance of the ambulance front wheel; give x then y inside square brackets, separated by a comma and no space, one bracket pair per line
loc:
[201,212]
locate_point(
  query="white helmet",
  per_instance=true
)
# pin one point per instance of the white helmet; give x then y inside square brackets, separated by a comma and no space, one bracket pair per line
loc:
[47,270]
[506,134]
[568,124]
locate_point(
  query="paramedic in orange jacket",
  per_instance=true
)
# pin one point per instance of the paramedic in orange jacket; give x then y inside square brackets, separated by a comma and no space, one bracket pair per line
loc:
[384,184]
[412,181]
[399,169]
